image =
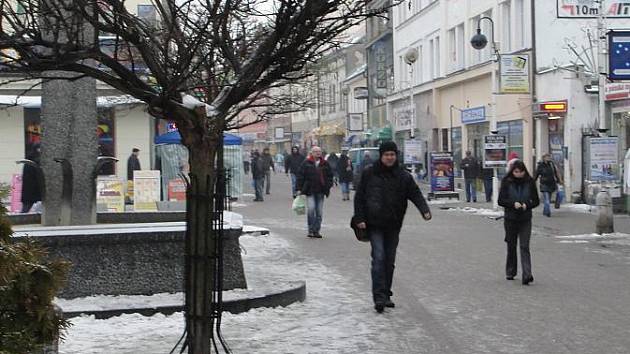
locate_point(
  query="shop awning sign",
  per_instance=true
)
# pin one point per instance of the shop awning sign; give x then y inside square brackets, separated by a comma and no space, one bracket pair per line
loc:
[473,115]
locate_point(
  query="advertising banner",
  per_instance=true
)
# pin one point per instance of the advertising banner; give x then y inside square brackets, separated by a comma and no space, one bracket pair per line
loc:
[146,190]
[110,192]
[590,8]
[495,151]
[413,152]
[514,74]
[604,159]
[442,177]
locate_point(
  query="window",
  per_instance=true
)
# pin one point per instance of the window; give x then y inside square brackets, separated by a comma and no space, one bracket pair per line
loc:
[452,49]
[432,59]
[514,132]
[519,24]
[444,139]
[417,70]
[457,47]
[436,62]
[506,26]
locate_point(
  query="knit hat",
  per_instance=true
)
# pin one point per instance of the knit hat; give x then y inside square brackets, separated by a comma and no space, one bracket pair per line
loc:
[388,146]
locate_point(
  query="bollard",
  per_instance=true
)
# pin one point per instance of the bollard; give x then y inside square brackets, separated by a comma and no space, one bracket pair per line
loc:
[605,221]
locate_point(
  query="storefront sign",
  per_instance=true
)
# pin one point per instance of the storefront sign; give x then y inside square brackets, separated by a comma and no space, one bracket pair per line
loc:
[278,133]
[176,190]
[553,107]
[413,152]
[355,122]
[590,8]
[361,93]
[619,55]
[604,159]
[442,177]
[473,115]
[110,193]
[495,151]
[146,189]
[403,118]
[514,74]
[617,91]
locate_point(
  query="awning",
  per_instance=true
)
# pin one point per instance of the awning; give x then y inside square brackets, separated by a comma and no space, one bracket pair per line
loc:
[36,101]
[175,138]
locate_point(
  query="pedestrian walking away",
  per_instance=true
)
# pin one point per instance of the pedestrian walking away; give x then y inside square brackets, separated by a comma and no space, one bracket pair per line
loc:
[133,163]
[292,164]
[31,187]
[258,174]
[518,195]
[471,173]
[487,174]
[344,168]
[549,180]
[380,204]
[333,161]
[268,166]
[314,180]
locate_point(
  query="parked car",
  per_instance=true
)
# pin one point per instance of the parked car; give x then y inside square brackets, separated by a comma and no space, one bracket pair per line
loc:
[359,161]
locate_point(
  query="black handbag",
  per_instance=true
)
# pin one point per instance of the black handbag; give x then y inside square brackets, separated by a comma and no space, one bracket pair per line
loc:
[360,234]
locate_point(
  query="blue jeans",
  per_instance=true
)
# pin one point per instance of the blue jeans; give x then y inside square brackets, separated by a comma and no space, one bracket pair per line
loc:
[293,184]
[547,203]
[259,184]
[471,189]
[345,187]
[487,187]
[315,208]
[384,244]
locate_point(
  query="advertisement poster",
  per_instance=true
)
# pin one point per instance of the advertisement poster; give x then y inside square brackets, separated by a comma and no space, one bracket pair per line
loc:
[514,74]
[590,8]
[442,177]
[16,193]
[413,152]
[495,151]
[404,118]
[110,192]
[355,122]
[604,162]
[176,190]
[146,190]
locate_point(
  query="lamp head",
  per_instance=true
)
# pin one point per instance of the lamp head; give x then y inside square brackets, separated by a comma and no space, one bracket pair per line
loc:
[479,41]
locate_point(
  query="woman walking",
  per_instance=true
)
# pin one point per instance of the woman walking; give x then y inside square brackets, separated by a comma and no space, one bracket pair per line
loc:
[518,195]
[549,180]
[344,171]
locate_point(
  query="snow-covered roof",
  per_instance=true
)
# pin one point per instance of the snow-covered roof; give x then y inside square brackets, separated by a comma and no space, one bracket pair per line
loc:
[36,101]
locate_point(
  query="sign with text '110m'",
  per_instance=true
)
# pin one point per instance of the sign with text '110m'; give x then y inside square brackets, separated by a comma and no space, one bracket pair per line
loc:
[590,8]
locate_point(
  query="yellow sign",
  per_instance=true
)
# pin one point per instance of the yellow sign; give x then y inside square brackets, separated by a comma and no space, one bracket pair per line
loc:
[110,192]
[146,190]
[514,74]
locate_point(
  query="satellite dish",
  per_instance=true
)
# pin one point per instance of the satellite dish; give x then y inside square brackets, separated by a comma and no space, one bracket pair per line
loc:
[411,56]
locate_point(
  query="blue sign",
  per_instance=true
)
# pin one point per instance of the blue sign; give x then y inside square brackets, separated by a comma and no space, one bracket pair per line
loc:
[619,55]
[474,115]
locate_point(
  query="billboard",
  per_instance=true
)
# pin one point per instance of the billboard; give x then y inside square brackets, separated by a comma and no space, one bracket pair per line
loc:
[604,164]
[442,174]
[590,8]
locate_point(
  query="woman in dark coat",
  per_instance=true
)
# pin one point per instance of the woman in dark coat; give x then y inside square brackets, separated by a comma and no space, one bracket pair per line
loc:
[31,189]
[549,180]
[344,171]
[518,195]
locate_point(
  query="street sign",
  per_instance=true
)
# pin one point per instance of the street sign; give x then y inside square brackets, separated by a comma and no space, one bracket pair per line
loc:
[619,55]
[495,151]
[473,115]
[514,71]
[590,8]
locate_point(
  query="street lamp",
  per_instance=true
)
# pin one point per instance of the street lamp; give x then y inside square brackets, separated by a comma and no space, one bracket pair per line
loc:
[410,58]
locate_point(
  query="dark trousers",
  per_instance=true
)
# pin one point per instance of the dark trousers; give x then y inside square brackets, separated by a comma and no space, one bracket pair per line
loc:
[487,187]
[268,182]
[471,189]
[384,244]
[258,187]
[518,231]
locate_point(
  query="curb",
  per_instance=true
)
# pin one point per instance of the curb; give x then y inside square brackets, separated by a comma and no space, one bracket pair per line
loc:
[294,292]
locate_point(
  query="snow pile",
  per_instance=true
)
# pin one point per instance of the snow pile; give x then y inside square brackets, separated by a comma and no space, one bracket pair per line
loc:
[442,201]
[616,238]
[478,211]
[579,208]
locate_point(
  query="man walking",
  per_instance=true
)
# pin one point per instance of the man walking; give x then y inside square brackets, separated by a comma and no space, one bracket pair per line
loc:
[471,173]
[268,166]
[133,163]
[380,204]
[258,174]
[292,165]
[314,180]
[549,181]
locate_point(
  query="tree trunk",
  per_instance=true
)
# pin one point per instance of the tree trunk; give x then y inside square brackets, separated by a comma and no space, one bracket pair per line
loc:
[200,245]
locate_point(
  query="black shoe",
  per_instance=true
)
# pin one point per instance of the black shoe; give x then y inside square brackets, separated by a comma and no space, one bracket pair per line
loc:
[526,281]
[317,235]
[509,277]
[379,307]
[310,235]
[267,193]
[390,303]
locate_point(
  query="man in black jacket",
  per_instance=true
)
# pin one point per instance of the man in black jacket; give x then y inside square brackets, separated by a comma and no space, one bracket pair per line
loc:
[292,165]
[258,174]
[268,166]
[380,204]
[133,163]
[314,179]
[471,173]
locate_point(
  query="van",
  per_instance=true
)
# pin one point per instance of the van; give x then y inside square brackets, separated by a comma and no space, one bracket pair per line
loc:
[358,158]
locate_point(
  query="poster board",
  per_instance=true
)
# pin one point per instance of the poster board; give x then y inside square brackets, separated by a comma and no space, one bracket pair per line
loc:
[146,190]
[413,152]
[110,193]
[442,174]
[604,163]
[514,78]
[495,151]
[176,190]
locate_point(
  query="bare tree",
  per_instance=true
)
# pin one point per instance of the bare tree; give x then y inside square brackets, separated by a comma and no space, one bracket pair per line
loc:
[235,51]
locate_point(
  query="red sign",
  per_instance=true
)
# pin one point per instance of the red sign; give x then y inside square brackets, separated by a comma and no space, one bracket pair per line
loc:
[553,107]
[176,190]
[617,92]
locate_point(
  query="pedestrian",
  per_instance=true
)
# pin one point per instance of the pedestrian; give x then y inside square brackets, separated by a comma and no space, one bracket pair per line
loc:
[292,165]
[246,161]
[133,163]
[333,161]
[280,159]
[258,174]
[471,173]
[31,188]
[367,162]
[380,204]
[549,180]
[487,174]
[345,173]
[268,166]
[518,195]
[314,180]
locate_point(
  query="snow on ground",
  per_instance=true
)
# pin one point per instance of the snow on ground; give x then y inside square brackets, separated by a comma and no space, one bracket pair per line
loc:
[443,201]
[478,211]
[337,316]
[616,238]
[579,208]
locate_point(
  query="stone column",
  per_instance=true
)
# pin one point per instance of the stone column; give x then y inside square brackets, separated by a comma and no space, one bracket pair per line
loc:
[69,120]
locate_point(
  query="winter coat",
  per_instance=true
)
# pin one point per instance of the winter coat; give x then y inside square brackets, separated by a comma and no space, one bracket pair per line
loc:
[312,179]
[333,161]
[470,167]
[522,190]
[133,164]
[258,167]
[31,189]
[381,197]
[293,162]
[487,173]
[267,162]
[548,175]
[344,168]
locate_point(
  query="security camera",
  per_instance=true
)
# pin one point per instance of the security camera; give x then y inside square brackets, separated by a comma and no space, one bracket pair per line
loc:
[479,41]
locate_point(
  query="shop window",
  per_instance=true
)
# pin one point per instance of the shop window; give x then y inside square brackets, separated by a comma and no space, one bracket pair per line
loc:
[444,139]
[514,132]
[32,130]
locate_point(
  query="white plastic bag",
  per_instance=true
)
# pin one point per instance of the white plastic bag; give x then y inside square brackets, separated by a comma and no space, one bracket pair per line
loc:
[299,205]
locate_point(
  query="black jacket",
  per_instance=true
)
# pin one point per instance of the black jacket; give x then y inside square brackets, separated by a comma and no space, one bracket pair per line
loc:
[470,167]
[293,162]
[258,167]
[31,189]
[312,179]
[345,174]
[267,162]
[381,197]
[518,190]
[133,164]
[548,175]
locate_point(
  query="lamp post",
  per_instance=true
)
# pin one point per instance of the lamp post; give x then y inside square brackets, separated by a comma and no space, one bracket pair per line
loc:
[410,58]
[479,42]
